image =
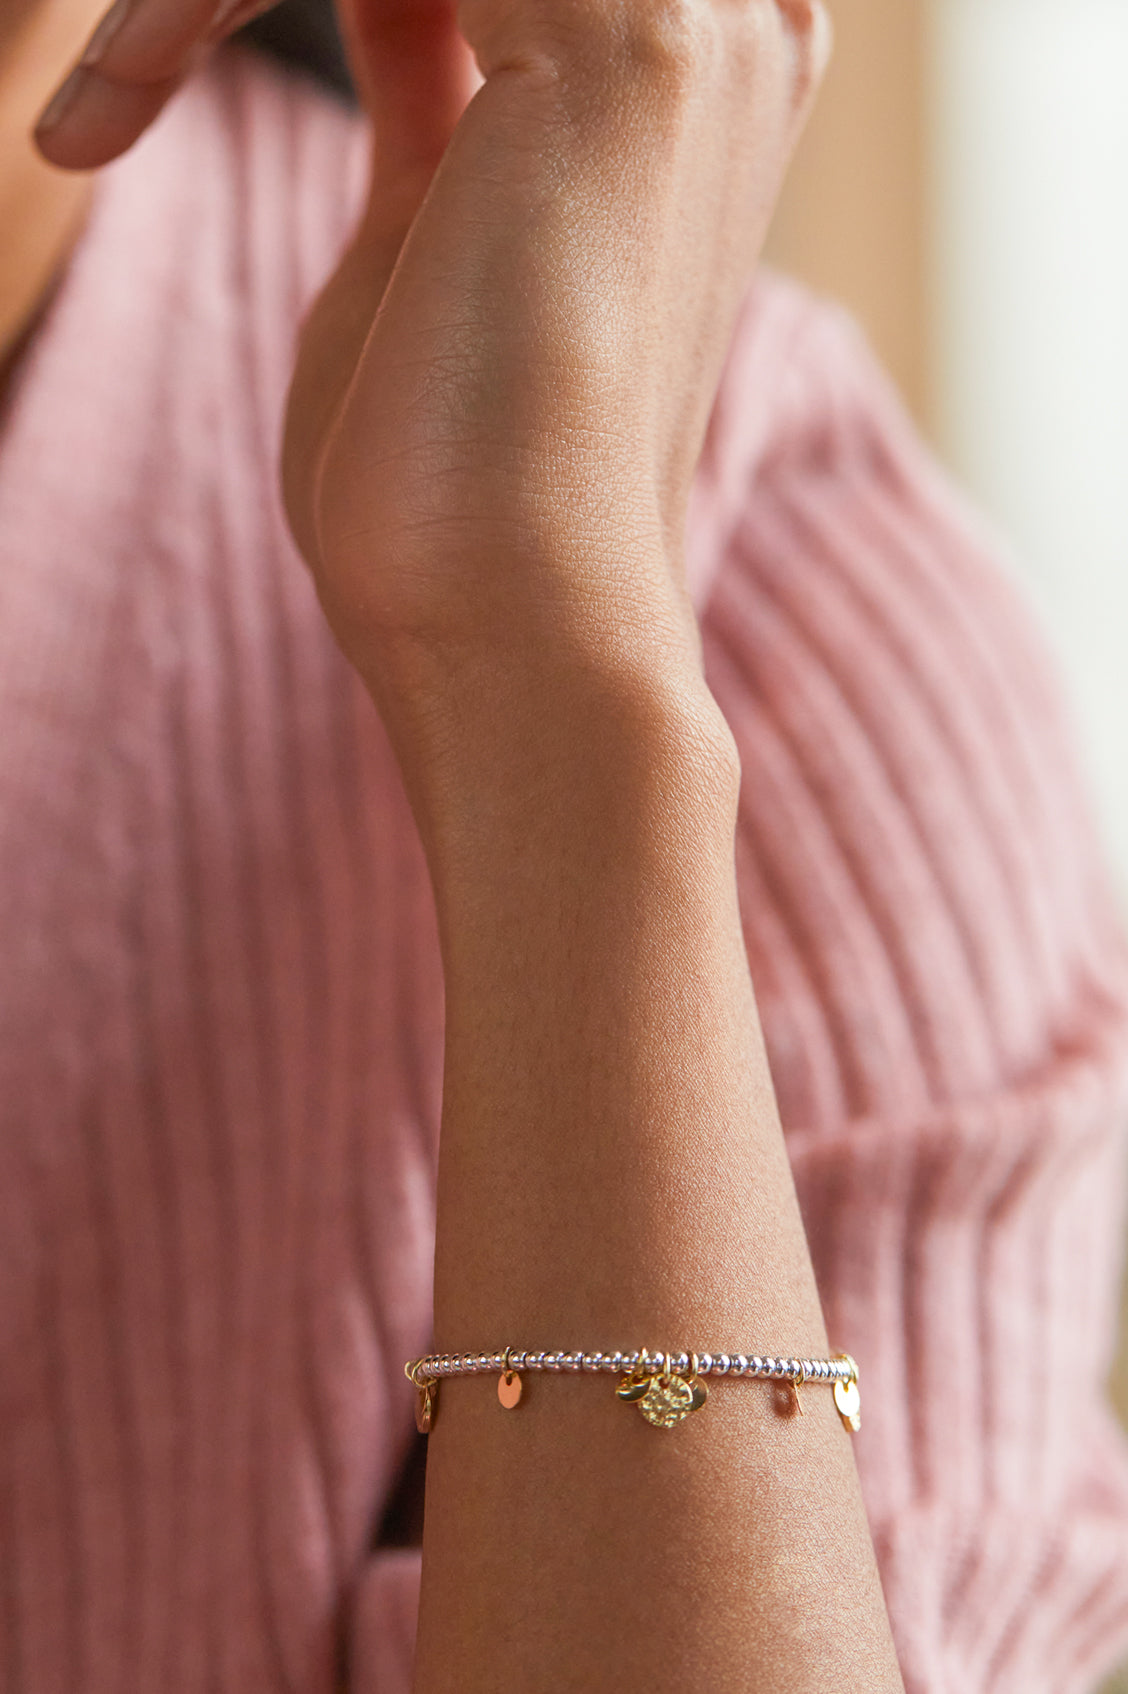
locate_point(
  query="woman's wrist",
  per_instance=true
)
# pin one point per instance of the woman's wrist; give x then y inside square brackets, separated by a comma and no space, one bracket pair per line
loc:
[551,753]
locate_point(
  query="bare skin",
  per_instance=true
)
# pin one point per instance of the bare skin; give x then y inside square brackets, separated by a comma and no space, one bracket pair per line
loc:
[488,459]
[42,209]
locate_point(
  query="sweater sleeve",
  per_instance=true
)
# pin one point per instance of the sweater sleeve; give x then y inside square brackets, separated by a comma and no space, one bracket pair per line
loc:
[941,977]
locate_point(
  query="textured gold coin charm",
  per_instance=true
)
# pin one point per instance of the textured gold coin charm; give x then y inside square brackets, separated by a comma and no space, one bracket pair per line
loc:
[663,1397]
[668,1399]
[848,1397]
[509,1389]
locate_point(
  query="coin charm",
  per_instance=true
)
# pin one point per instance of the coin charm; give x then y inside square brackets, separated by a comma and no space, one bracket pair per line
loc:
[848,1399]
[509,1389]
[668,1399]
[663,1396]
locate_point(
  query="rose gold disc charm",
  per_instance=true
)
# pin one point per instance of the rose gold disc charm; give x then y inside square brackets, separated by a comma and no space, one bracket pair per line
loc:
[425,1405]
[508,1385]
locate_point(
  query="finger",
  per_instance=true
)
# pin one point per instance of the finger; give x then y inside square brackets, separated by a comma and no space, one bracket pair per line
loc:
[415,75]
[137,57]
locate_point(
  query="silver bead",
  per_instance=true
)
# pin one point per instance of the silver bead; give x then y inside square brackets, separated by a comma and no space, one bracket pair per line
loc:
[721,1364]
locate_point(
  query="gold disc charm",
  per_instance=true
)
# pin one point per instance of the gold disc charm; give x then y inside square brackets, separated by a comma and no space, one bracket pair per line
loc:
[668,1399]
[663,1397]
[697,1388]
[508,1384]
[848,1398]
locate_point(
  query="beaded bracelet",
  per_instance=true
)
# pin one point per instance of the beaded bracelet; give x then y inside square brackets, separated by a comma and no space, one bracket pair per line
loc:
[665,1387]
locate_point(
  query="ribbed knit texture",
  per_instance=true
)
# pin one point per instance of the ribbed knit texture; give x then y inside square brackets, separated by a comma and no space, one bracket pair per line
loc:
[221,1012]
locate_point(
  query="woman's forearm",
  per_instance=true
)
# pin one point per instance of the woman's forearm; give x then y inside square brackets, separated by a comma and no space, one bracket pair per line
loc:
[612,1174]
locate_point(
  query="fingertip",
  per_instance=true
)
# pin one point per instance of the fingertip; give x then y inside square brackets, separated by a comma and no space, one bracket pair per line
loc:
[92,121]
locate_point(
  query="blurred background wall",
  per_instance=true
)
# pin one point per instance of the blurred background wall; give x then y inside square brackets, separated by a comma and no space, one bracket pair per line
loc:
[963,187]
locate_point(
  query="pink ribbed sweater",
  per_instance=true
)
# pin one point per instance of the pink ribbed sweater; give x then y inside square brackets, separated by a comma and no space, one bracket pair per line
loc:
[221,1012]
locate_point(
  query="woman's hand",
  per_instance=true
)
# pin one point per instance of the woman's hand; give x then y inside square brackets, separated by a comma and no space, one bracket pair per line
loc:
[502,393]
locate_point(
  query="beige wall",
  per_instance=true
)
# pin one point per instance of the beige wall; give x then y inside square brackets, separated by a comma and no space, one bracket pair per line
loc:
[852,218]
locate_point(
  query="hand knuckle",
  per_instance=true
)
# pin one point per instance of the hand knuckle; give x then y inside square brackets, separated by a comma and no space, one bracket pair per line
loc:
[812,35]
[666,43]
[661,47]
